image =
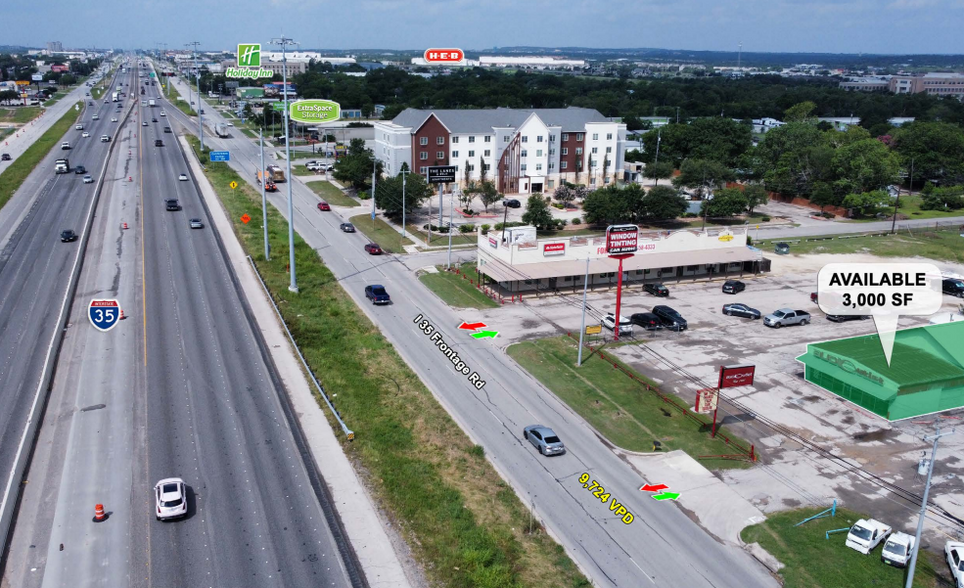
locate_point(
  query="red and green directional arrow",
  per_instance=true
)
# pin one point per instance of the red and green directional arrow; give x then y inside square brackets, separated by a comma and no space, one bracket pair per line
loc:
[666,496]
[471,326]
[485,335]
[653,487]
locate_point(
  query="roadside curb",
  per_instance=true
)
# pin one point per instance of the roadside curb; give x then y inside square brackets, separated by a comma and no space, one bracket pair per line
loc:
[353,504]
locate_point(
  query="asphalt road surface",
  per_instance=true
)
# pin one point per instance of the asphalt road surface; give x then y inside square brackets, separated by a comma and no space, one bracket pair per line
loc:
[661,547]
[186,392]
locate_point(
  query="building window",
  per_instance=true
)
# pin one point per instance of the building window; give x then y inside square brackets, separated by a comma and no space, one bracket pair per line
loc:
[539,139]
[488,138]
[487,152]
[552,166]
[423,170]
[439,155]
[578,150]
[552,138]
[565,137]
[505,139]
[639,272]
[609,136]
[592,181]
[486,167]
[606,180]
[564,165]
[692,268]
[440,140]
[525,138]
[423,155]
[579,136]
[595,136]
[455,139]
[595,150]
[538,167]
[523,167]
[552,152]
[567,278]
[471,153]
[455,154]
[469,168]
[609,149]
[565,151]
[471,139]
[538,152]
[524,153]
[423,141]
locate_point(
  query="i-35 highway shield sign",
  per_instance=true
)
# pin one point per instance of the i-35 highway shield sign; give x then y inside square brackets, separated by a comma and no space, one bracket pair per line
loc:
[104,314]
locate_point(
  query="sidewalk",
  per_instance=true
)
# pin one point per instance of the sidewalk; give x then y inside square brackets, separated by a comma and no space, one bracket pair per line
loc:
[376,550]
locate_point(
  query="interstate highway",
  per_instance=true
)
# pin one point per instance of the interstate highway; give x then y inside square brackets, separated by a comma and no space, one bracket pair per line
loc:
[662,547]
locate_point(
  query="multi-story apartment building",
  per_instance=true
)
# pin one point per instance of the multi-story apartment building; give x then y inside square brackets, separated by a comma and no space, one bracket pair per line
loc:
[938,84]
[522,150]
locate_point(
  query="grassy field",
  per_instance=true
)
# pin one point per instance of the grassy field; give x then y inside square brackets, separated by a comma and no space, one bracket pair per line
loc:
[17,172]
[941,245]
[184,107]
[617,406]
[380,232]
[439,239]
[465,526]
[910,207]
[456,291]
[813,561]
[19,115]
[6,132]
[330,194]
[300,170]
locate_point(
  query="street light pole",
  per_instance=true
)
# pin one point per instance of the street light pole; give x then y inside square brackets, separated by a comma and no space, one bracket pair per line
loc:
[197,74]
[448,264]
[264,197]
[923,506]
[910,187]
[404,173]
[582,329]
[284,42]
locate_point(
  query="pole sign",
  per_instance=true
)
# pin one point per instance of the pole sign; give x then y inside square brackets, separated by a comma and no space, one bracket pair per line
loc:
[104,314]
[707,400]
[736,375]
[37,77]
[314,111]
[249,63]
[621,239]
[220,156]
[441,174]
[444,56]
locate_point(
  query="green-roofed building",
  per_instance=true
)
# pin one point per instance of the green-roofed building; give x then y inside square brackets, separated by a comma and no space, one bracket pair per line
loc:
[926,373]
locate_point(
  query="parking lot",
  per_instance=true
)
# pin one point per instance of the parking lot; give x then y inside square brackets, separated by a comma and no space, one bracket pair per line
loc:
[781,409]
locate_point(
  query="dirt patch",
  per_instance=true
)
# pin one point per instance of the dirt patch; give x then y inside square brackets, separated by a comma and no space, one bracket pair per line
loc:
[878,435]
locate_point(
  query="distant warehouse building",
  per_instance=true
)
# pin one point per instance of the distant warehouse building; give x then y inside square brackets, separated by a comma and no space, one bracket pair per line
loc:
[926,373]
[520,262]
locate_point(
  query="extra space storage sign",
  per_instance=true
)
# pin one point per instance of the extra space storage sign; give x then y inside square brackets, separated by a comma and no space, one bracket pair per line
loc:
[314,111]
[621,239]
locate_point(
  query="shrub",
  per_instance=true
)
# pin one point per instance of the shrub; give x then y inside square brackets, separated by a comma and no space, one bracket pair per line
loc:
[500,226]
[577,221]
[485,228]
[765,219]
[558,205]
[467,228]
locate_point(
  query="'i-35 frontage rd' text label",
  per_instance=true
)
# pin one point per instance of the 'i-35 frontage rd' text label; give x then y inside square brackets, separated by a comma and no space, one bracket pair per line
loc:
[600,493]
[426,327]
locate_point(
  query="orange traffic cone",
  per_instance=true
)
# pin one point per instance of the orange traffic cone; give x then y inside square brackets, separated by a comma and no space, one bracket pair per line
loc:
[99,515]
[130,178]
[125,226]
[122,317]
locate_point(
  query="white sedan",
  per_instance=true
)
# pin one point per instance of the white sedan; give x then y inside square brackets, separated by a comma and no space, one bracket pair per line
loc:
[85,134]
[954,553]
[170,496]
[182,177]
[88,180]
[163,113]
[113,119]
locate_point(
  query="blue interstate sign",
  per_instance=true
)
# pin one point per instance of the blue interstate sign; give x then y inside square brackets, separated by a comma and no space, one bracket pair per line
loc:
[104,314]
[220,156]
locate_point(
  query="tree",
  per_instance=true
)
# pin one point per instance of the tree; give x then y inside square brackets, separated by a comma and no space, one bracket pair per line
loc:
[537,213]
[564,194]
[388,194]
[725,202]
[792,158]
[489,194]
[658,171]
[823,196]
[661,203]
[866,203]
[935,148]
[356,167]
[704,175]
[800,112]
[864,166]
[606,206]
[756,195]
[951,198]
[633,123]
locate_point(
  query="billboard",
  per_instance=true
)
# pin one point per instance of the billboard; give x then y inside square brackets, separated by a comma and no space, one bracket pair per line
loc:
[621,239]
[736,375]
[37,77]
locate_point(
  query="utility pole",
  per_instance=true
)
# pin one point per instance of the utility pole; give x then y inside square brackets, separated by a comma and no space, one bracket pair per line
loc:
[264,197]
[374,179]
[923,505]
[582,329]
[404,173]
[284,42]
[910,187]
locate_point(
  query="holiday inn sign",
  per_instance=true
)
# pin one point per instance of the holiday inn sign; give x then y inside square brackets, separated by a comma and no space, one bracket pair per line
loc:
[249,63]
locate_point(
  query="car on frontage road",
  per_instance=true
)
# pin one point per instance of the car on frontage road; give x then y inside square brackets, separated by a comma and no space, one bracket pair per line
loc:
[347,227]
[377,294]
[373,249]
[544,439]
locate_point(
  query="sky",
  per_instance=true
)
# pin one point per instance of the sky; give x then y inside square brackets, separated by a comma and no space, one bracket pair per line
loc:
[819,26]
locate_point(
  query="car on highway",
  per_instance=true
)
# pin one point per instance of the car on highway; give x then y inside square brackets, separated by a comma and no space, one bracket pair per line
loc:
[104,139]
[65,145]
[230,124]
[172,204]
[113,119]
[544,439]
[270,186]
[182,178]
[842,318]
[671,318]
[95,117]
[170,497]
[954,554]
[347,227]
[656,289]
[144,123]
[163,113]
[733,287]
[167,129]
[373,249]
[625,326]
[739,309]
[511,203]
[158,143]
[646,320]
[377,294]
[196,223]
[80,170]
[324,205]
[85,134]
[67,236]
[153,120]
[5,157]
[88,180]
[78,127]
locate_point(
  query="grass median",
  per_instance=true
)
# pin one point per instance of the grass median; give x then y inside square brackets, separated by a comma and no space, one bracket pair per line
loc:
[618,407]
[378,231]
[813,561]
[921,242]
[465,525]
[12,177]
[455,290]
[331,194]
